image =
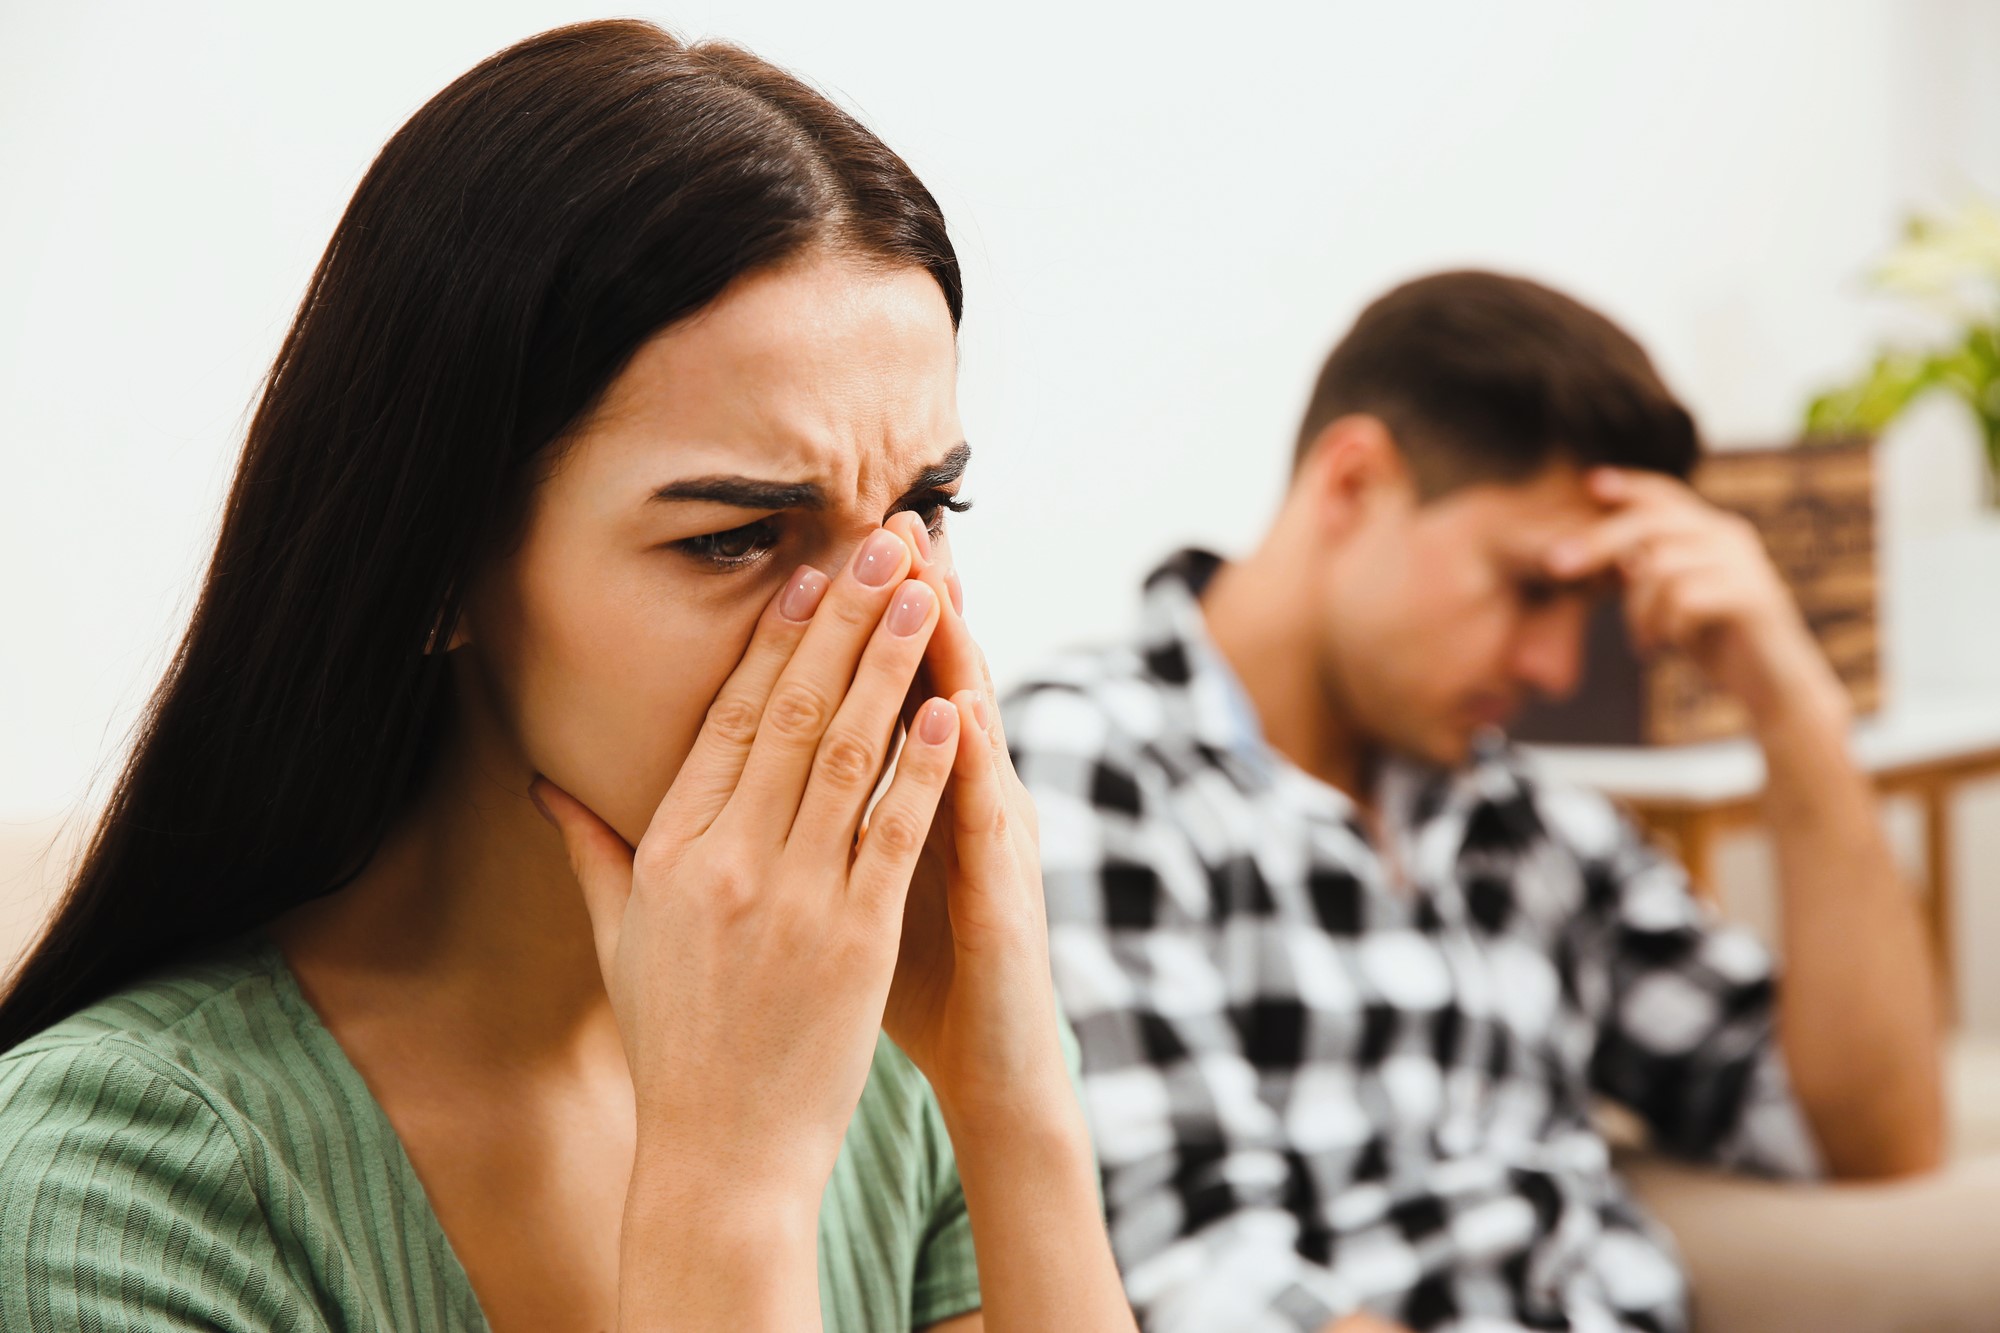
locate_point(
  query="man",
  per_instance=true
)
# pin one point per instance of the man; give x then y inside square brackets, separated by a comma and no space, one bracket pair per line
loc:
[1349,976]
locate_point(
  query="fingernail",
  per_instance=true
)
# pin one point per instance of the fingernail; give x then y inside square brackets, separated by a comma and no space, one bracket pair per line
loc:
[801,596]
[879,559]
[979,711]
[535,795]
[923,539]
[934,725]
[1563,556]
[912,608]
[956,589]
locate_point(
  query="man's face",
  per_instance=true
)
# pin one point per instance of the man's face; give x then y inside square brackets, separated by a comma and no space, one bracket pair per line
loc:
[1441,617]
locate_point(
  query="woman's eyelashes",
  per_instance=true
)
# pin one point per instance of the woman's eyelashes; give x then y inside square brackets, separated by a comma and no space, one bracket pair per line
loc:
[750,543]
[932,506]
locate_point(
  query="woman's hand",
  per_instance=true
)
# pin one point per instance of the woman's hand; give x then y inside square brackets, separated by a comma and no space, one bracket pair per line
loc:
[748,941]
[973,1004]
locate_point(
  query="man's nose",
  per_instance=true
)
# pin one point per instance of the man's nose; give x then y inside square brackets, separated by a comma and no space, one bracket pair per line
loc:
[1548,651]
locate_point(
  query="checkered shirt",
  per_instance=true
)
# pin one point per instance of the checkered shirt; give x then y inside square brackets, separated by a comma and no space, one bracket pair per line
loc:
[1324,1079]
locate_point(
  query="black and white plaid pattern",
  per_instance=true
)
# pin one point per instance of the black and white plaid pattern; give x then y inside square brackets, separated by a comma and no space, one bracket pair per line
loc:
[1325,1076]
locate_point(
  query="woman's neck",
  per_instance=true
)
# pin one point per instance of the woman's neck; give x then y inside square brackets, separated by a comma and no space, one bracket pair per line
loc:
[468,911]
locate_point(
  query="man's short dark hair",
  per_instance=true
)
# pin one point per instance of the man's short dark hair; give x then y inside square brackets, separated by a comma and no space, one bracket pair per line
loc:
[1486,378]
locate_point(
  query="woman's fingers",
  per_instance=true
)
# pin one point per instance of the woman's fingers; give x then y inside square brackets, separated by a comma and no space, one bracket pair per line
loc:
[887,856]
[715,764]
[955,662]
[849,761]
[979,800]
[808,692]
[599,858]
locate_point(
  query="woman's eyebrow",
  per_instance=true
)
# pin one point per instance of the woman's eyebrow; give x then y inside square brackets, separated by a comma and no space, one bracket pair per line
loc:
[745,492]
[755,493]
[941,473]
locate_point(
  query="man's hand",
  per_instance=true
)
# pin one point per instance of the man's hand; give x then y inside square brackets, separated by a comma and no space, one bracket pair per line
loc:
[1698,579]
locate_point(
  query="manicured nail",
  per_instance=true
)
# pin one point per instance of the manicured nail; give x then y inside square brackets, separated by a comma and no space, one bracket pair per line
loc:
[912,608]
[934,724]
[879,559]
[535,795]
[1565,556]
[801,596]
[956,589]
[979,711]
[923,540]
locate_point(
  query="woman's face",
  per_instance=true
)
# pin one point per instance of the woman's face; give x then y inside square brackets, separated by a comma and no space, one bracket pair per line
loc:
[778,427]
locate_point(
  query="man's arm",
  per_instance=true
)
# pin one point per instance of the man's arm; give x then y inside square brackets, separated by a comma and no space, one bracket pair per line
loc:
[1858,1017]
[1858,1021]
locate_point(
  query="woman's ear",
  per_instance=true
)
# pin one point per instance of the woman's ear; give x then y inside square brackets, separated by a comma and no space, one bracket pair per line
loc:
[1351,469]
[460,634]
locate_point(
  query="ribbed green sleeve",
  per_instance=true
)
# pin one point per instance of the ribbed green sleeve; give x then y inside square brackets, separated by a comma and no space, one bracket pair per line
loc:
[124,1204]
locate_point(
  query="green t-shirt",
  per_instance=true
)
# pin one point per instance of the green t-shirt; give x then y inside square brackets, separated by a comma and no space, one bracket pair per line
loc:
[196,1152]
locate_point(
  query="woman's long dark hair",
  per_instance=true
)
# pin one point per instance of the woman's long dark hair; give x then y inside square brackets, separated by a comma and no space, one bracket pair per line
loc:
[503,258]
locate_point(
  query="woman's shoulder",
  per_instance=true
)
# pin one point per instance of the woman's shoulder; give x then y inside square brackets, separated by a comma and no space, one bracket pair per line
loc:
[201,1073]
[189,1151]
[167,1074]
[122,1161]
[206,1024]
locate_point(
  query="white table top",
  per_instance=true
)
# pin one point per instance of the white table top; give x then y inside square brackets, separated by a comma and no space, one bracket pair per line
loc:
[1921,731]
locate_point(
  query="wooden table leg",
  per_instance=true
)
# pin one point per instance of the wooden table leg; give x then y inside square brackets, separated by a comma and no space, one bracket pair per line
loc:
[1698,855]
[1689,836]
[1939,893]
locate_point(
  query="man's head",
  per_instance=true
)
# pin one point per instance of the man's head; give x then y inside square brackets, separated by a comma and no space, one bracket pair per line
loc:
[1441,458]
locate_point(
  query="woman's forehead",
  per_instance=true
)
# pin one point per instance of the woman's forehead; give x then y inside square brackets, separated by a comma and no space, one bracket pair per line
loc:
[826,337]
[830,375]
[823,373]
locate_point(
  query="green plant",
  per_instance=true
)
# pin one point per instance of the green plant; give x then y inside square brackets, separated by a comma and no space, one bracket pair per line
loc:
[1951,264]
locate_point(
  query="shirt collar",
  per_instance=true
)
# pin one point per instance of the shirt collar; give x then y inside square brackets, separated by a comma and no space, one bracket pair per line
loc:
[1178,651]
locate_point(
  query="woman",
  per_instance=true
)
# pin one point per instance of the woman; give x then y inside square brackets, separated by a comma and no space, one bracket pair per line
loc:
[601,481]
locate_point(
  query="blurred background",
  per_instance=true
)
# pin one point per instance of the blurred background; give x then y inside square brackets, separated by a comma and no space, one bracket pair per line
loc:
[1166,215]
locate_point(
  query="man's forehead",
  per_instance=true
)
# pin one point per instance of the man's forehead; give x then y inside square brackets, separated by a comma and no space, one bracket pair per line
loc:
[1541,510]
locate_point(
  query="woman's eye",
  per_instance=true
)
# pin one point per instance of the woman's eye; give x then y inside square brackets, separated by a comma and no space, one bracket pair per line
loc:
[736,547]
[933,507]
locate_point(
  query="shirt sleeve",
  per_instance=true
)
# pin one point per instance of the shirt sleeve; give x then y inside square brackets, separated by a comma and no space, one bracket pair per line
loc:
[124,1204]
[1685,1011]
[1199,1190]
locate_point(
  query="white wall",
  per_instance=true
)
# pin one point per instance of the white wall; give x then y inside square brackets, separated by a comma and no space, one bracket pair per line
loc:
[1165,216]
